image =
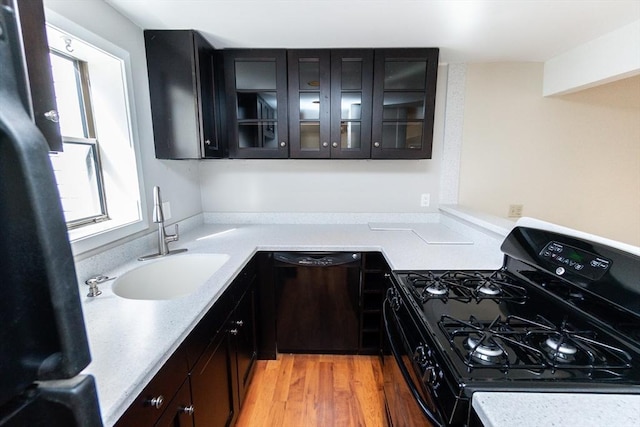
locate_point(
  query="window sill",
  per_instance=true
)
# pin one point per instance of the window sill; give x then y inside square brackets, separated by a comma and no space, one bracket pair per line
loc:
[94,236]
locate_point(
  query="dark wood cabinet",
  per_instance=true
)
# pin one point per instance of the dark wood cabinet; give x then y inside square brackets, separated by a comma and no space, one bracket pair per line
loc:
[211,384]
[404,103]
[330,99]
[152,402]
[40,99]
[182,90]
[204,382]
[255,91]
[375,281]
[243,335]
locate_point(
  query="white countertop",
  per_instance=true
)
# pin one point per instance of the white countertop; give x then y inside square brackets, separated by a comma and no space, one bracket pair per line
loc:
[557,409]
[130,340]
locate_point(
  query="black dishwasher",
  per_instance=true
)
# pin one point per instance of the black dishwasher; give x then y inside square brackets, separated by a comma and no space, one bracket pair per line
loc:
[317,300]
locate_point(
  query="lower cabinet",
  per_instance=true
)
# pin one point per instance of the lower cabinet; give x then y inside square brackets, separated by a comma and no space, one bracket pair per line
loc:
[211,385]
[204,382]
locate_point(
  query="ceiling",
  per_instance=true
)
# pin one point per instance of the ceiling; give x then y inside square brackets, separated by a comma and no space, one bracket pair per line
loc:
[464,30]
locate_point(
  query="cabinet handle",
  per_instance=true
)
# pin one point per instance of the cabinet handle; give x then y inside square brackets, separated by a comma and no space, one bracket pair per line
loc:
[52,116]
[207,142]
[239,322]
[283,144]
[156,402]
[376,144]
[325,144]
[233,331]
[334,144]
[189,410]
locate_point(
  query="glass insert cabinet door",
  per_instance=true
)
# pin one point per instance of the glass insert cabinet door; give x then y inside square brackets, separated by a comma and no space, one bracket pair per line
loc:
[330,96]
[256,100]
[404,103]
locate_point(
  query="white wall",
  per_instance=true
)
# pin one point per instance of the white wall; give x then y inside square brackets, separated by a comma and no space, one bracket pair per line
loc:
[177,179]
[573,159]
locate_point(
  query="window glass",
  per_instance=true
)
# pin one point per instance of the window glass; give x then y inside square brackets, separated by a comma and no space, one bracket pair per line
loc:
[66,80]
[400,75]
[79,182]
[255,75]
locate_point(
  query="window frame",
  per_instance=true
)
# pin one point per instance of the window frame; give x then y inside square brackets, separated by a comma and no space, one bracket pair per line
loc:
[85,240]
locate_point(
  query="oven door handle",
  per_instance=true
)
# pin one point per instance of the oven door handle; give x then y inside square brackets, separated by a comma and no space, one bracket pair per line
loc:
[433,418]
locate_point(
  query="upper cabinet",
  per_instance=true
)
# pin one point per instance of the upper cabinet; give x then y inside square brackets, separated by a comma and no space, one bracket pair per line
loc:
[181,84]
[404,103]
[330,95]
[278,103]
[256,103]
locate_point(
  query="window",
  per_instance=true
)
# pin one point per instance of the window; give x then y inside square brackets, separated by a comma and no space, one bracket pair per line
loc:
[97,172]
[77,168]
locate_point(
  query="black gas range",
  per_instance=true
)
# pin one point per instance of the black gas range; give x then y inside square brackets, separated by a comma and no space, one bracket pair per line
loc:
[561,315]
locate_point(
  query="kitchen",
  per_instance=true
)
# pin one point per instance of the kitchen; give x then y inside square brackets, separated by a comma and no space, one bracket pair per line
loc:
[221,188]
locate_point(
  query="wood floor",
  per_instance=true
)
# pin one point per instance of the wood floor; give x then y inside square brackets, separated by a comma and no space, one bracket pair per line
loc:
[315,390]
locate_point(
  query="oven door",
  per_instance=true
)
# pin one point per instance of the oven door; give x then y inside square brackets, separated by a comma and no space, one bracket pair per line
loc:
[407,399]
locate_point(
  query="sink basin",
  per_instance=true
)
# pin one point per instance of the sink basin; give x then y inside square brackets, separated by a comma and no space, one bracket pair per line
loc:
[168,278]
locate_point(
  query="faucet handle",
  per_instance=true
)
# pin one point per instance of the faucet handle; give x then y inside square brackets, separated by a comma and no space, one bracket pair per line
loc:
[173,237]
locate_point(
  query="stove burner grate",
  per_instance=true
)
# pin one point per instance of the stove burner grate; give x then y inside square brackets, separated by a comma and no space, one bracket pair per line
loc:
[464,286]
[536,345]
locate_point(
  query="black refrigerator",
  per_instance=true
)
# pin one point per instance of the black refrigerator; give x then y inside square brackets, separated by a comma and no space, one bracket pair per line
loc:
[43,341]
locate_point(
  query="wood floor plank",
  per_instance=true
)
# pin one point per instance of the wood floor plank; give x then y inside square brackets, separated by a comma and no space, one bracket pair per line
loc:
[315,390]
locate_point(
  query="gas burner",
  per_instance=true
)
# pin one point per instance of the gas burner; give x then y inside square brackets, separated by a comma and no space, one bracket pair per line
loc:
[560,349]
[496,286]
[484,350]
[489,288]
[436,289]
[445,286]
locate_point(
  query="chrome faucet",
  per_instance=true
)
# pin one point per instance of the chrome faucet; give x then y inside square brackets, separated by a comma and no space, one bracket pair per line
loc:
[163,238]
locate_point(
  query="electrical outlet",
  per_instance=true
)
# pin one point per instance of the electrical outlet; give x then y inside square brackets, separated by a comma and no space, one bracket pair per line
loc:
[425,200]
[166,210]
[515,211]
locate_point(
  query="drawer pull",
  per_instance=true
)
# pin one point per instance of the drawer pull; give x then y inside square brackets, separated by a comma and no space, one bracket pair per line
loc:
[156,402]
[189,410]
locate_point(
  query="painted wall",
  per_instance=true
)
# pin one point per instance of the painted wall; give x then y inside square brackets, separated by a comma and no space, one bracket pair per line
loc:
[177,179]
[573,159]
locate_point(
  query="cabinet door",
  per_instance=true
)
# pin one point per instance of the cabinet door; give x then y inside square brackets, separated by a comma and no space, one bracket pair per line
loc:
[179,65]
[351,103]
[330,103]
[243,329]
[256,101]
[210,145]
[309,103]
[179,412]
[151,403]
[41,99]
[404,103]
[211,385]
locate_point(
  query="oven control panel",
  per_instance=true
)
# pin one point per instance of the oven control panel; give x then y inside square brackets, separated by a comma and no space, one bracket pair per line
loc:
[578,261]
